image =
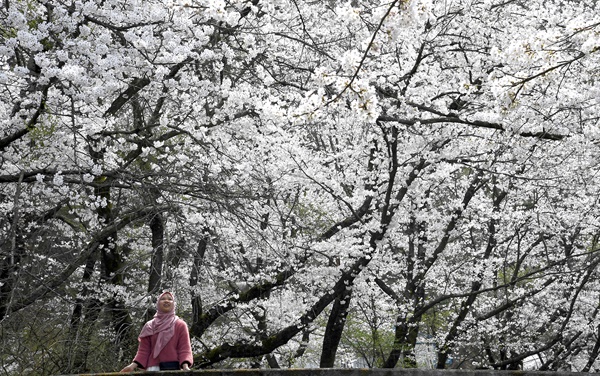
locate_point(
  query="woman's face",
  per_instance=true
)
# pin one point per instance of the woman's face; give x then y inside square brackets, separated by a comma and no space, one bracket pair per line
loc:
[166,303]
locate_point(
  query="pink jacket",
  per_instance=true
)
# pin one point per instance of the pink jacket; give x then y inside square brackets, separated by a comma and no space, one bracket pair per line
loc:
[177,349]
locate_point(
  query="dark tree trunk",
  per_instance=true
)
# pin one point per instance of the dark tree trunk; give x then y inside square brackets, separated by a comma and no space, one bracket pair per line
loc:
[175,255]
[157,227]
[405,340]
[594,353]
[333,330]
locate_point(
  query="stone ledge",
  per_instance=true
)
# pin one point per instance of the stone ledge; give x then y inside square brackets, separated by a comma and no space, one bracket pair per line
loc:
[340,372]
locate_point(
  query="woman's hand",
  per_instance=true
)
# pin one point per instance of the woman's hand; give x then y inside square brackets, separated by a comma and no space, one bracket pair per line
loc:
[185,367]
[130,368]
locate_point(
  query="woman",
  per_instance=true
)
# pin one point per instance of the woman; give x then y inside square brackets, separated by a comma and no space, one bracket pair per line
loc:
[164,342]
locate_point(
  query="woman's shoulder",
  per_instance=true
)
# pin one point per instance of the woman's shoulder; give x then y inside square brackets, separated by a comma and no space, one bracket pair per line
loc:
[181,327]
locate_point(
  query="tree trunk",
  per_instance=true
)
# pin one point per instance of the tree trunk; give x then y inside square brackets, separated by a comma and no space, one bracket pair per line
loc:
[334,329]
[593,354]
[157,227]
[405,339]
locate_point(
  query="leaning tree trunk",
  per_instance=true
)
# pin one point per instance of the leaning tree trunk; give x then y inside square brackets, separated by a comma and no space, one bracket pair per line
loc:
[334,329]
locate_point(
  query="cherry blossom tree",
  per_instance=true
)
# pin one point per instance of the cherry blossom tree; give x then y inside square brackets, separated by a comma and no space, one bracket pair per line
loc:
[300,174]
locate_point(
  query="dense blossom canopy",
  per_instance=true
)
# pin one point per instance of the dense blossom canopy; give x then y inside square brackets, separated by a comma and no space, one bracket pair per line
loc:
[392,183]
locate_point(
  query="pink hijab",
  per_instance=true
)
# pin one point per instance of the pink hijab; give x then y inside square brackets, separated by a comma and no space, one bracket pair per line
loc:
[163,323]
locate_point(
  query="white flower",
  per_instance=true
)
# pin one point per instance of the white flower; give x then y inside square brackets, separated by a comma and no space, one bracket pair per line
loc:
[97,170]
[350,60]
[21,71]
[28,40]
[58,179]
[590,45]
[84,31]
[88,178]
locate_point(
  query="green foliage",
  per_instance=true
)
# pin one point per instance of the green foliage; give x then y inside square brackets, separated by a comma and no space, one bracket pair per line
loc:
[43,131]
[6,33]
[317,218]
[370,343]
[41,345]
